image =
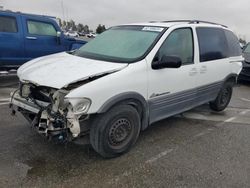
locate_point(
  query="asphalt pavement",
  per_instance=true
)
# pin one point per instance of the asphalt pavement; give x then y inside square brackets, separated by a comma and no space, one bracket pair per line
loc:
[199,148]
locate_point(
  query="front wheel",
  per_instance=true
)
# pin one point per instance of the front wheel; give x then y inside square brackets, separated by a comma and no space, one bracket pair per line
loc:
[114,132]
[223,98]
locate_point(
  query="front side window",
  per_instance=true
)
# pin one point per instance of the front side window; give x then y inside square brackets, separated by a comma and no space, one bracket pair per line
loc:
[212,44]
[8,24]
[41,28]
[179,43]
[121,44]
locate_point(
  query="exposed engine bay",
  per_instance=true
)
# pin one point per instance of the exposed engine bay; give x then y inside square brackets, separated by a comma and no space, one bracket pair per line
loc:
[49,112]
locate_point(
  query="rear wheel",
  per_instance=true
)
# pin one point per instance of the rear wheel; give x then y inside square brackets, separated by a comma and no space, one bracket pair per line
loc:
[223,98]
[114,132]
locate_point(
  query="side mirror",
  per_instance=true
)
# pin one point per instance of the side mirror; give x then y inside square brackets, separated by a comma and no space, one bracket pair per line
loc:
[167,62]
[58,37]
[58,34]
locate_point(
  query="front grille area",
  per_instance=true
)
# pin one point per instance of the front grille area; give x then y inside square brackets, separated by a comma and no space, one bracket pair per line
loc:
[35,92]
[40,94]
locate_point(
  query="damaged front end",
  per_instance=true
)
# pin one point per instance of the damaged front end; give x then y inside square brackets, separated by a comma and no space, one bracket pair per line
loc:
[50,112]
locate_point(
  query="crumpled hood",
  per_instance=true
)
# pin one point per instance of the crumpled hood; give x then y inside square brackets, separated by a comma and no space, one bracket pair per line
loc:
[59,70]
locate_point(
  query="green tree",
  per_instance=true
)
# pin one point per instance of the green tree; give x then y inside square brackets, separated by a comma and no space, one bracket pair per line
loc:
[60,22]
[72,25]
[80,27]
[64,24]
[68,25]
[242,41]
[103,28]
[100,28]
[86,29]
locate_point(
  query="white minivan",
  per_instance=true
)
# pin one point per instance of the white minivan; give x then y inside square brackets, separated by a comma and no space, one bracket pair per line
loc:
[127,78]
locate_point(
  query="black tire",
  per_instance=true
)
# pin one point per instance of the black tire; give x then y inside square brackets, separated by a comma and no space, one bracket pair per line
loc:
[223,98]
[114,132]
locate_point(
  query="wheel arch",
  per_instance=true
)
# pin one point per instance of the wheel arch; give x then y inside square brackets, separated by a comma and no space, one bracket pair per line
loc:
[131,98]
[232,78]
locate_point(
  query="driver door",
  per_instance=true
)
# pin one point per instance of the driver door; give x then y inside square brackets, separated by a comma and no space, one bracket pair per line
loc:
[173,90]
[40,37]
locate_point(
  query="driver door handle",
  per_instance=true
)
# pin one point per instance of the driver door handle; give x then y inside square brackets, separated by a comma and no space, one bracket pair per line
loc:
[193,72]
[203,69]
[31,38]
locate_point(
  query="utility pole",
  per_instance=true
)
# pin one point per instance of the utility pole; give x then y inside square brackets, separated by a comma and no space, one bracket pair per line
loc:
[63,10]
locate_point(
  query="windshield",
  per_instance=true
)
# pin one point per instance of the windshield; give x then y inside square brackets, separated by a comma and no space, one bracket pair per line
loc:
[121,44]
[247,49]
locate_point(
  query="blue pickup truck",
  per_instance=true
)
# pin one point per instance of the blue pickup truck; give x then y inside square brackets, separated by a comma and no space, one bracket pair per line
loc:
[26,36]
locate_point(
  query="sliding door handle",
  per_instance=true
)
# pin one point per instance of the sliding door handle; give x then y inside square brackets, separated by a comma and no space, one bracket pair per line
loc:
[203,69]
[193,72]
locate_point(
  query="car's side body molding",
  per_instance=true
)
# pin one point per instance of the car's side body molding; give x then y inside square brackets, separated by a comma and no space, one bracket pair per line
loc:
[172,104]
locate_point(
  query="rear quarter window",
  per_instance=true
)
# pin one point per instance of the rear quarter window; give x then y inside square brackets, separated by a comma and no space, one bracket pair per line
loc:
[234,48]
[212,43]
[8,24]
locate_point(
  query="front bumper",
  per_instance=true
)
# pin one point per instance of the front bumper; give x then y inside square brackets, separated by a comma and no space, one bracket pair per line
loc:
[22,103]
[53,124]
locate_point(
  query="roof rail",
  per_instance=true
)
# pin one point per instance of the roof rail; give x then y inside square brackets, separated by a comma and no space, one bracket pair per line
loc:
[191,22]
[201,21]
[172,21]
[29,14]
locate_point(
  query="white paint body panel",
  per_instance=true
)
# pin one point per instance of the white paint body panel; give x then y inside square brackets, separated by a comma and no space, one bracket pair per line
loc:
[61,69]
[215,70]
[133,78]
[236,64]
[170,80]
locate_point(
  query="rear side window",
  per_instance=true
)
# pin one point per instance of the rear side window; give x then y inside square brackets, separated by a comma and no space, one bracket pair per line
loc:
[179,43]
[41,28]
[233,44]
[212,44]
[8,24]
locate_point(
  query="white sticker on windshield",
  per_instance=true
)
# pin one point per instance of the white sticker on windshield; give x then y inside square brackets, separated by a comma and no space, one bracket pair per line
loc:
[155,29]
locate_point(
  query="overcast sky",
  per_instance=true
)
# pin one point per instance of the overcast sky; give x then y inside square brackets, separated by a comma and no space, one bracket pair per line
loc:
[235,14]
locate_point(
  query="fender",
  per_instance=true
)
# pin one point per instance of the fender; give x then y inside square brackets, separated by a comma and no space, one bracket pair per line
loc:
[128,96]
